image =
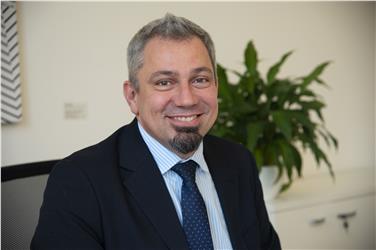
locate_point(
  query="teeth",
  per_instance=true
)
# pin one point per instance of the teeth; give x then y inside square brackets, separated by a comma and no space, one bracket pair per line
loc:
[185,118]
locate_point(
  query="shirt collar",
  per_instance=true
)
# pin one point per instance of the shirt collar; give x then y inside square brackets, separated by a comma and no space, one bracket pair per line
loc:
[165,158]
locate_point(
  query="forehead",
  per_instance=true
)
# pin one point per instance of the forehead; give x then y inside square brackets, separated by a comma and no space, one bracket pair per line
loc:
[160,51]
[160,41]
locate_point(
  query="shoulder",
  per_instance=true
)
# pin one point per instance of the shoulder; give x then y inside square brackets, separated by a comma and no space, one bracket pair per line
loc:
[212,139]
[78,181]
[75,190]
[95,161]
[223,150]
[94,154]
[224,147]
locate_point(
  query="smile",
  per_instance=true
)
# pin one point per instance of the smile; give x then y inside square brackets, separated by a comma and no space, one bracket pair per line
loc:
[185,118]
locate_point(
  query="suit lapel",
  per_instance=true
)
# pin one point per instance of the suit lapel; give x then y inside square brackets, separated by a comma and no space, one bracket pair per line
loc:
[226,180]
[144,181]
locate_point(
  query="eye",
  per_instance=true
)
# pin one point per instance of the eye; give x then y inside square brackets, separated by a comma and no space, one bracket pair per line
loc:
[201,82]
[164,84]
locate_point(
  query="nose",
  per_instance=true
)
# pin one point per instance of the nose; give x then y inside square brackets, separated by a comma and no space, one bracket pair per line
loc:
[186,96]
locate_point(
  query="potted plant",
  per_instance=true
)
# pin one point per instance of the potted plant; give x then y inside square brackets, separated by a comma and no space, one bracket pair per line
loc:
[271,116]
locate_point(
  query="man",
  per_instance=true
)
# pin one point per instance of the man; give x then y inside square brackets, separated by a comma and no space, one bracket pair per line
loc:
[160,182]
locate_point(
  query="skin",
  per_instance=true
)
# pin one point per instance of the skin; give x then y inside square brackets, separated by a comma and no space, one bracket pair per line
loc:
[177,91]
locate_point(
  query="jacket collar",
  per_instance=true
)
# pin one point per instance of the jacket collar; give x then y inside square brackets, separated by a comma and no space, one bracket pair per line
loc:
[142,178]
[226,181]
[144,181]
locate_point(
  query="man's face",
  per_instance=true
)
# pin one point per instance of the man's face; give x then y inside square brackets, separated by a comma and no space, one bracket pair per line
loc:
[176,101]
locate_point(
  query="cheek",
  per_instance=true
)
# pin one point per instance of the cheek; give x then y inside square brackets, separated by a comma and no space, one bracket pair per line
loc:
[212,100]
[213,103]
[155,103]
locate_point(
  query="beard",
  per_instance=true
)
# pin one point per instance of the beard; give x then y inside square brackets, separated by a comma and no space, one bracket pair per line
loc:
[187,140]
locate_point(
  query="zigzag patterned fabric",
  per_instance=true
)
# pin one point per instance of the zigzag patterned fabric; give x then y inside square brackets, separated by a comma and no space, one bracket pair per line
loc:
[11,108]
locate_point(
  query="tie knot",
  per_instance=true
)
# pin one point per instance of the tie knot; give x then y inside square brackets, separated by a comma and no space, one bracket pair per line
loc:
[186,170]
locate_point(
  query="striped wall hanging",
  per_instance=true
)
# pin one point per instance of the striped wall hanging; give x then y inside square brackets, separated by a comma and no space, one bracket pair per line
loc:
[11,108]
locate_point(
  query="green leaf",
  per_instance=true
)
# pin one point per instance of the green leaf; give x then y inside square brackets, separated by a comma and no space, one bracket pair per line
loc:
[308,93]
[302,118]
[250,84]
[254,130]
[319,115]
[271,115]
[321,155]
[247,84]
[243,108]
[320,81]
[282,90]
[280,172]
[238,74]
[325,137]
[314,74]
[314,105]
[297,159]
[278,88]
[250,58]
[273,71]
[291,157]
[258,157]
[285,186]
[271,152]
[282,120]
[334,140]
[318,154]
[288,156]
[223,84]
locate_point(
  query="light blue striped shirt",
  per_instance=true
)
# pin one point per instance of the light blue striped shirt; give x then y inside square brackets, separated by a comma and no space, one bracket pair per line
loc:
[166,160]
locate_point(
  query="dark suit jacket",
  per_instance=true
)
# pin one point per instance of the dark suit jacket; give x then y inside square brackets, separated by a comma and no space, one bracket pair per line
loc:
[113,196]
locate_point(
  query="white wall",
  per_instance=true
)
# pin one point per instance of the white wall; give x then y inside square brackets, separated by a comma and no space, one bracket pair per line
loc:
[76,52]
[374,79]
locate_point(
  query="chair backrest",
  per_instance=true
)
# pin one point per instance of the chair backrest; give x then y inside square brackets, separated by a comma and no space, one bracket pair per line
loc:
[22,188]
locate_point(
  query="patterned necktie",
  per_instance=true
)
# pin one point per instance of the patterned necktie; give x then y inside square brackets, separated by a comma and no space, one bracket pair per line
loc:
[195,219]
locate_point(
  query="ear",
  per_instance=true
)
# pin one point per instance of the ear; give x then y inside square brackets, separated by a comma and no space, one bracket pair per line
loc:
[130,95]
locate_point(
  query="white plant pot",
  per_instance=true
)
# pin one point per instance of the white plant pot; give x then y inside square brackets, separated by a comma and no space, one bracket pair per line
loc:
[270,188]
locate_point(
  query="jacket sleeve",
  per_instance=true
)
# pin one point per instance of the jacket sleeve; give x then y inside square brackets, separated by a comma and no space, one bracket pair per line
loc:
[269,237]
[69,216]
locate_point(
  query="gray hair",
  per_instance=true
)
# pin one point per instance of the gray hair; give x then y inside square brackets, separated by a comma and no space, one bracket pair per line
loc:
[168,27]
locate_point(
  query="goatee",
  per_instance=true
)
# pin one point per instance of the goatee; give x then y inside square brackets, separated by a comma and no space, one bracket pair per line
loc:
[187,140]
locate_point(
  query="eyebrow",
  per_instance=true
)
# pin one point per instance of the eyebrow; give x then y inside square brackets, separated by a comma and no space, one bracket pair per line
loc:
[175,74]
[162,72]
[201,69]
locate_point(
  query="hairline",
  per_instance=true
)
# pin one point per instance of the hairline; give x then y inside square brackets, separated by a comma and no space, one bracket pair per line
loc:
[213,71]
[137,45]
[135,82]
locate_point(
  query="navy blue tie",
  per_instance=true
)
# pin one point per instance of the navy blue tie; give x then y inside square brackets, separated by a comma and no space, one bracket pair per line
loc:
[195,219]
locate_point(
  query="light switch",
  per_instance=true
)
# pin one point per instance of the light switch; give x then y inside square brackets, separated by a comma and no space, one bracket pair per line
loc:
[75,111]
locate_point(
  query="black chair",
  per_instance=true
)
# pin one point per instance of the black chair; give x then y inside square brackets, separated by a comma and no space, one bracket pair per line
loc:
[22,188]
